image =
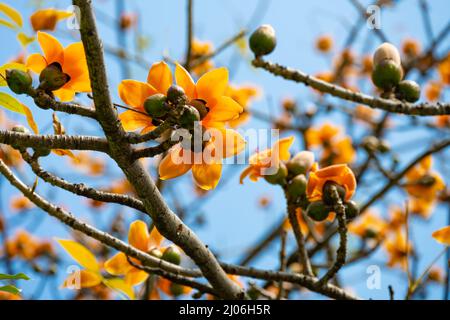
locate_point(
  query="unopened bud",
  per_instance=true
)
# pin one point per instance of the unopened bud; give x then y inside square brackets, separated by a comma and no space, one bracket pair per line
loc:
[279,177]
[172,254]
[408,90]
[18,81]
[263,40]
[155,105]
[297,186]
[318,211]
[301,163]
[328,191]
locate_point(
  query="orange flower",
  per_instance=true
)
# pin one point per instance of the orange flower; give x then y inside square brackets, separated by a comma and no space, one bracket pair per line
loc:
[71,59]
[433,90]
[444,70]
[91,276]
[261,162]
[421,207]
[206,165]
[138,237]
[242,95]
[339,173]
[170,288]
[369,225]
[397,250]
[128,20]
[411,47]
[422,182]
[324,43]
[46,19]
[322,135]
[442,235]
[443,121]
[200,49]
[21,203]
[366,64]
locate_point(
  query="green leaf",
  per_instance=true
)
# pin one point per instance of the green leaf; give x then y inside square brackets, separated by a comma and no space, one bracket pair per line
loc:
[11,13]
[10,65]
[11,103]
[18,276]
[11,289]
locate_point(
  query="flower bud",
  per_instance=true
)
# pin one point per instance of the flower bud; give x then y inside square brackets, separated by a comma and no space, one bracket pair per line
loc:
[155,105]
[20,128]
[327,192]
[172,255]
[383,146]
[189,116]
[386,51]
[52,77]
[176,289]
[370,143]
[18,81]
[387,74]
[297,186]
[279,177]
[301,163]
[176,94]
[351,210]
[318,211]
[408,90]
[42,152]
[200,105]
[263,40]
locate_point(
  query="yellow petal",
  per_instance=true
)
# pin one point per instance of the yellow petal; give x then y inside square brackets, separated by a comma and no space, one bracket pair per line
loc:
[86,279]
[442,235]
[65,94]
[185,81]
[155,238]
[281,147]
[132,120]
[134,93]
[120,286]
[224,110]
[36,62]
[30,119]
[229,141]
[118,265]
[53,50]
[135,277]
[138,235]
[172,165]
[160,77]
[75,66]
[212,85]
[80,254]
[207,175]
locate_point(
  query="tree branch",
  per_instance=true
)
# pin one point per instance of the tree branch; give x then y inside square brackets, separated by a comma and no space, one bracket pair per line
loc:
[168,224]
[395,106]
[50,141]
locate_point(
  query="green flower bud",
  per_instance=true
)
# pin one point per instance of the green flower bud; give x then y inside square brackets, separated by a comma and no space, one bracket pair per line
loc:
[189,116]
[386,51]
[351,210]
[42,152]
[318,211]
[370,143]
[297,186]
[370,233]
[20,128]
[300,163]
[408,90]
[327,198]
[279,177]
[176,94]
[155,105]
[387,74]
[172,255]
[18,81]
[52,77]
[263,40]
[201,107]
[384,146]
[176,289]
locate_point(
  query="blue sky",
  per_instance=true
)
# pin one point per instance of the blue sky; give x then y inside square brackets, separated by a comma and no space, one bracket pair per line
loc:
[234,221]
